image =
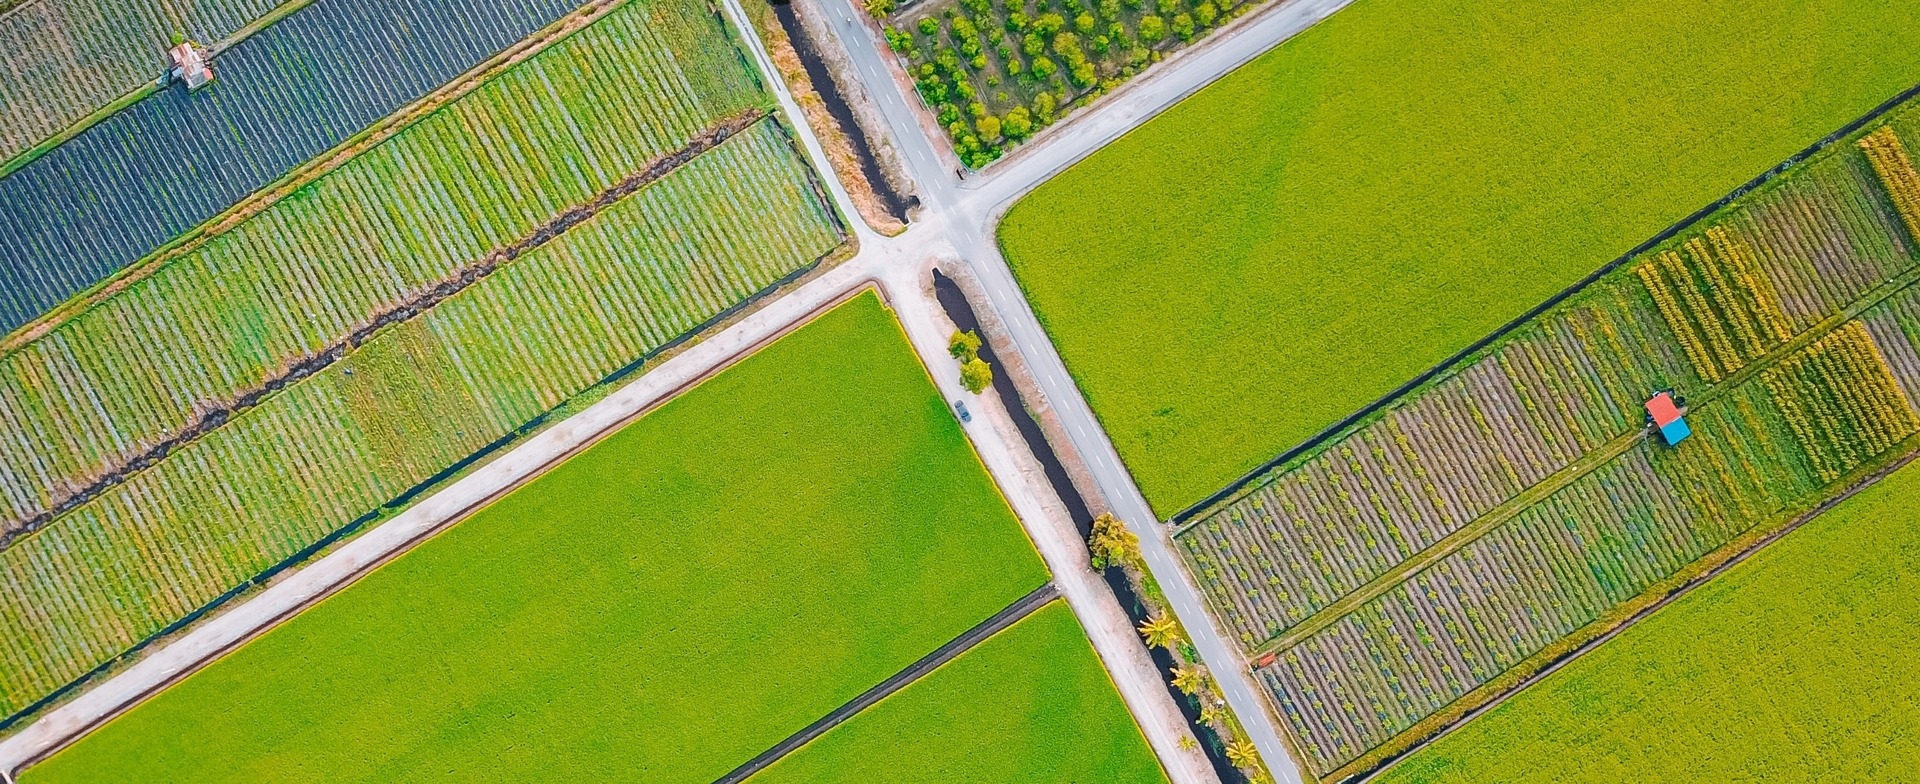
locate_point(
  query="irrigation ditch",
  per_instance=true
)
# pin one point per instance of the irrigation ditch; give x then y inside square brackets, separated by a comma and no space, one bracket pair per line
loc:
[960,311]
[556,413]
[839,109]
[420,302]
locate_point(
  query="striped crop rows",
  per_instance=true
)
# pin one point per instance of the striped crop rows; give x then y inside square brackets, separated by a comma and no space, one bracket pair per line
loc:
[415,212]
[1565,385]
[1493,519]
[124,187]
[67,58]
[418,399]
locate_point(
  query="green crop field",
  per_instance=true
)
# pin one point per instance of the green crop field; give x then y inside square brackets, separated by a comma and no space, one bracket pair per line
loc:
[1344,212]
[1790,667]
[660,608]
[1032,704]
[1436,554]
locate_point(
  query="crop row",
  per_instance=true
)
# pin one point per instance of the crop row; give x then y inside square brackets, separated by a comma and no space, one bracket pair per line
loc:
[67,58]
[1823,238]
[420,398]
[125,186]
[1889,158]
[1841,400]
[1326,526]
[1895,327]
[413,213]
[1721,309]
[1550,570]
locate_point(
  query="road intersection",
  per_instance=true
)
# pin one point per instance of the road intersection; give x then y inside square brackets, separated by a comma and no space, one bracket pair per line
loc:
[957,220]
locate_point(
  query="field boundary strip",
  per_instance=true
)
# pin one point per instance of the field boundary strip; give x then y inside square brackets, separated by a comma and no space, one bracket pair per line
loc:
[310,172]
[1636,610]
[1586,464]
[952,649]
[20,159]
[1185,517]
[467,276]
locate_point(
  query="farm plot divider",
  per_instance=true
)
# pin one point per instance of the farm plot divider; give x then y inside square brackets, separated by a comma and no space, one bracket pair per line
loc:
[405,410]
[415,217]
[1517,506]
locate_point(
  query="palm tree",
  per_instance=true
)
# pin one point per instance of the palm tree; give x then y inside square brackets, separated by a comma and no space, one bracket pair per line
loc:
[1161,632]
[1189,679]
[1212,716]
[1242,753]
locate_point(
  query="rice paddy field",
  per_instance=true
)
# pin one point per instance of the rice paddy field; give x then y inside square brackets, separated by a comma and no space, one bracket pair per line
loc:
[124,187]
[1305,235]
[68,58]
[1789,667]
[1031,704]
[1435,555]
[662,607]
[280,434]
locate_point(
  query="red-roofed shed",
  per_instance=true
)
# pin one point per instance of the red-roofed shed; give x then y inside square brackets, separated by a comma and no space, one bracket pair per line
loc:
[1662,409]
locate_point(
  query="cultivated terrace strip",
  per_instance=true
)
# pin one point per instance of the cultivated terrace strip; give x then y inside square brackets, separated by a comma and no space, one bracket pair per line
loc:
[565,133]
[1516,508]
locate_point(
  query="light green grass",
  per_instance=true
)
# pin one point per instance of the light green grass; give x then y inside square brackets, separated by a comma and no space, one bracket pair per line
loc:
[1793,666]
[660,608]
[1031,705]
[1310,232]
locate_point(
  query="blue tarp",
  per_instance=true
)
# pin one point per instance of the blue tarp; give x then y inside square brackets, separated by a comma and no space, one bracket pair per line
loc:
[1676,431]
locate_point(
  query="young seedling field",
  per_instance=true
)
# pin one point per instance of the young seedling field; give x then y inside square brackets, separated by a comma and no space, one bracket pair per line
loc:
[1431,558]
[592,206]
[662,607]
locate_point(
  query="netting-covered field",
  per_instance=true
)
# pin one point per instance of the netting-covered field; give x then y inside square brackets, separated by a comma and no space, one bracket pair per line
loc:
[416,212]
[1423,562]
[125,186]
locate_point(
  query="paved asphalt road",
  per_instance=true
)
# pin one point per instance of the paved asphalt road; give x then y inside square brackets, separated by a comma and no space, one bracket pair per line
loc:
[969,212]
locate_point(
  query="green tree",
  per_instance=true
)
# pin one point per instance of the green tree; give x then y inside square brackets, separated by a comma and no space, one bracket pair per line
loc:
[1206,13]
[880,9]
[1152,28]
[1183,26]
[1043,106]
[1242,753]
[1049,24]
[1044,68]
[1189,679]
[988,126]
[1113,545]
[964,346]
[929,26]
[1084,23]
[1018,123]
[1166,7]
[976,375]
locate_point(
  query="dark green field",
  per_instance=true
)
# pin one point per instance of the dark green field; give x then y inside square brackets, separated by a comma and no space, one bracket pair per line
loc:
[660,608]
[1793,666]
[1303,236]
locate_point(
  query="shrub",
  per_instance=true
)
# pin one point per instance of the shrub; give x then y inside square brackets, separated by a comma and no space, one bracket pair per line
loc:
[880,9]
[898,40]
[1152,28]
[976,375]
[929,27]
